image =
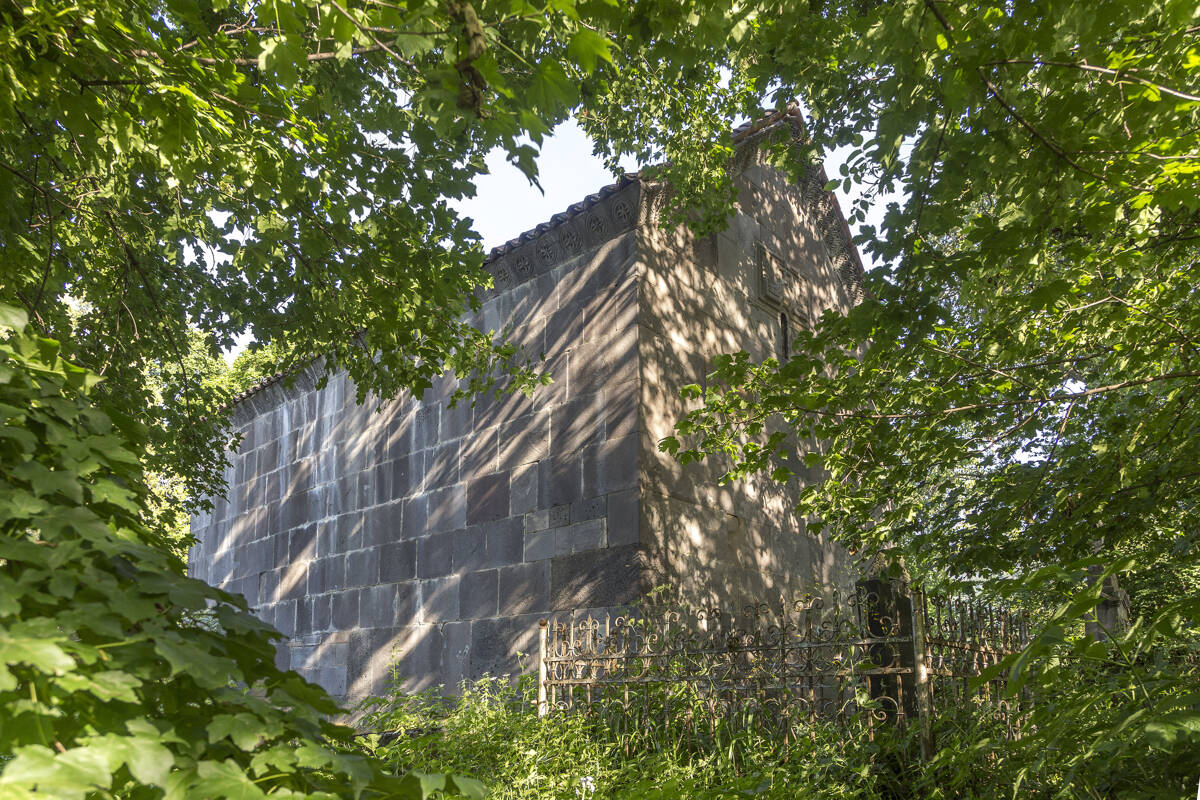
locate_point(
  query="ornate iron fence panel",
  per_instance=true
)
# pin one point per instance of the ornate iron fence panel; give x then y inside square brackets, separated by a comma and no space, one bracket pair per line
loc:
[774,670]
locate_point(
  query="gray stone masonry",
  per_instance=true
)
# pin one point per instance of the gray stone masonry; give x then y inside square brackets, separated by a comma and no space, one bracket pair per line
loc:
[430,539]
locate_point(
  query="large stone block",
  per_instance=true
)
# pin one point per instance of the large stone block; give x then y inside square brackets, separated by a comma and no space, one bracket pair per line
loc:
[538,520]
[362,567]
[480,452]
[385,524]
[524,588]
[387,605]
[622,517]
[285,617]
[398,561]
[487,498]
[598,579]
[417,657]
[303,543]
[435,555]
[425,427]
[524,440]
[406,474]
[447,509]
[456,654]
[345,610]
[439,599]
[335,572]
[322,612]
[381,484]
[414,517]
[441,466]
[456,421]
[539,544]
[577,423]
[591,508]
[351,531]
[479,594]
[523,490]
[498,643]
[505,541]
[561,480]
[470,549]
[610,466]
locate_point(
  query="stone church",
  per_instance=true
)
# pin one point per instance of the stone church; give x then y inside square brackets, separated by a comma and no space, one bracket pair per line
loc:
[432,538]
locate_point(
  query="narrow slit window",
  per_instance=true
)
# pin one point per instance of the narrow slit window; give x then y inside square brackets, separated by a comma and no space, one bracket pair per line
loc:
[785,349]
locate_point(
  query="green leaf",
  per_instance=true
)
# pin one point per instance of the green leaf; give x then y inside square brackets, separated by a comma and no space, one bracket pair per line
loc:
[13,317]
[587,46]
[225,779]
[41,654]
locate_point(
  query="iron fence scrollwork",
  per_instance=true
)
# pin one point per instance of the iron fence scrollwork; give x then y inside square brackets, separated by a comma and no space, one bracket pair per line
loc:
[882,653]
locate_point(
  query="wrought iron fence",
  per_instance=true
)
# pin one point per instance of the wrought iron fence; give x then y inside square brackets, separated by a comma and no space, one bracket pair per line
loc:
[882,654]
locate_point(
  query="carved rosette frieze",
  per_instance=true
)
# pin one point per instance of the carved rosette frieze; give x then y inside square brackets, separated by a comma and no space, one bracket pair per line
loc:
[547,251]
[624,212]
[830,228]
[502,274]
[523,267]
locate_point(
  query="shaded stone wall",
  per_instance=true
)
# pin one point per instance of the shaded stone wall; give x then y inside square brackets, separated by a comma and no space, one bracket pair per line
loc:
[437,536]
[784,254]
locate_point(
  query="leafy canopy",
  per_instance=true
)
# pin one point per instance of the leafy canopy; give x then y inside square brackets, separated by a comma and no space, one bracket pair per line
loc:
[276,168]
[1017,396]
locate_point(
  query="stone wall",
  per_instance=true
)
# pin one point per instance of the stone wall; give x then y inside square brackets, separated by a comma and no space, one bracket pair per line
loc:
[783,255]
[437,536]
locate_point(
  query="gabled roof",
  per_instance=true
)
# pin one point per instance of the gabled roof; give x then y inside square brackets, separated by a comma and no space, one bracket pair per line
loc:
[789,115]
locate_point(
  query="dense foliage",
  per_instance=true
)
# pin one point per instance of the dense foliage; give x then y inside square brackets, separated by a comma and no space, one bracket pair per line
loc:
[493,729]
[1015,401]
[274,168]
[118,675]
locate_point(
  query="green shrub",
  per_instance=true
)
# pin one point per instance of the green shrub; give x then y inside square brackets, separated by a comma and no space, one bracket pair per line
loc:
[120,676]
[492,731]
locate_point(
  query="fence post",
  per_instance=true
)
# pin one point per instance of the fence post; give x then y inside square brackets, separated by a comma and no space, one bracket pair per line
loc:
[543,707]
[921,682]
[887,616]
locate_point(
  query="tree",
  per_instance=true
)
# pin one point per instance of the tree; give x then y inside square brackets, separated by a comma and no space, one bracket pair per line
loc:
[1015,401]
[118,674]
[277,168]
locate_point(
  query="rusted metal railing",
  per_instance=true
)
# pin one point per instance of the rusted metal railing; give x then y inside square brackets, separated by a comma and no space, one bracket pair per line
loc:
[881,654]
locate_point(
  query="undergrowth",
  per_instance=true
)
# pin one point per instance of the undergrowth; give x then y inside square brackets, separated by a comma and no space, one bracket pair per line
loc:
[492,732]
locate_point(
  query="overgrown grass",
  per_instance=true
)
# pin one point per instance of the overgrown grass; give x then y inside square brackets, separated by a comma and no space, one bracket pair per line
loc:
[492,732]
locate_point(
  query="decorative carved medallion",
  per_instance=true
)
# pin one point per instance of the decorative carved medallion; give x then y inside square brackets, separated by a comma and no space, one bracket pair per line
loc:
[503,275]
[623,211]
[523,268]
[596,227]
[571,240]
[546,251]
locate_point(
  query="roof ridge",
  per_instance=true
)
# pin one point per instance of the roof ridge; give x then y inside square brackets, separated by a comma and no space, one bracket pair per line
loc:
[739,135]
